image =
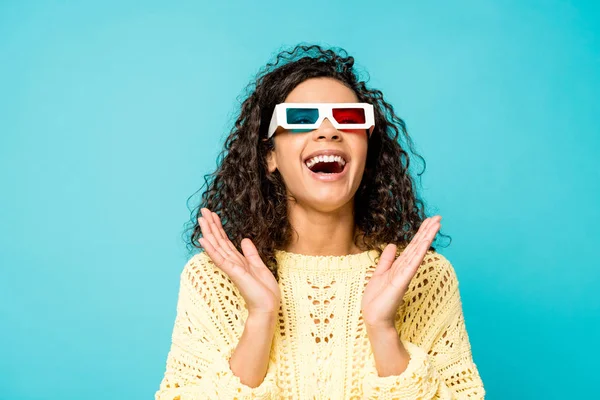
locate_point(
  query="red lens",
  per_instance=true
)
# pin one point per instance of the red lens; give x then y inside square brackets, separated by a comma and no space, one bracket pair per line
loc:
[349,115]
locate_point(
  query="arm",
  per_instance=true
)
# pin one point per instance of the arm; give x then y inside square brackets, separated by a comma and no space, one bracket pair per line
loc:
[391,357]
[250,359]
[431,357]
[203,350]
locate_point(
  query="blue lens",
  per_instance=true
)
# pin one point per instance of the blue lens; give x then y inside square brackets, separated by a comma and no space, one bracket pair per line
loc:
[302,115]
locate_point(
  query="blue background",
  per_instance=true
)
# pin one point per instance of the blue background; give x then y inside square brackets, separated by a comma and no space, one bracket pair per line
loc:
[111,112]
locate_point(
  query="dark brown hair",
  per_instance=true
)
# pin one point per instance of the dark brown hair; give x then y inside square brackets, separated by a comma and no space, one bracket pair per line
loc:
[253,203]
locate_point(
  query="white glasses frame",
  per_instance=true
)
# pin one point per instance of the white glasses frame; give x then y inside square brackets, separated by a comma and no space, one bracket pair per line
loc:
[279,117]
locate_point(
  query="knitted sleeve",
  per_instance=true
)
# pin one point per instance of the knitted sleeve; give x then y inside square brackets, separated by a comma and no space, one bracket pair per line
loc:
[203,341]
[433,332]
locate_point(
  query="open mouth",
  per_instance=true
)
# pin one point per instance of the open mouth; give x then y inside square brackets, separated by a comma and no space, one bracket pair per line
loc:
[326,164]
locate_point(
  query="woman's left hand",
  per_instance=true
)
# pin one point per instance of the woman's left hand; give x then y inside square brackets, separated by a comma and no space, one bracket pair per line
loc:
[388,284]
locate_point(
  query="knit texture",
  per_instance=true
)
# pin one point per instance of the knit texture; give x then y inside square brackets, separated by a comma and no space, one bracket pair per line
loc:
[320,349]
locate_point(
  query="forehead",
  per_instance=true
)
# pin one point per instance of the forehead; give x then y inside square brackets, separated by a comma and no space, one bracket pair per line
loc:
[321,90]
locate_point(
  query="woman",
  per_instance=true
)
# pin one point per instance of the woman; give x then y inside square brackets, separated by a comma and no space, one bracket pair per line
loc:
[318,279]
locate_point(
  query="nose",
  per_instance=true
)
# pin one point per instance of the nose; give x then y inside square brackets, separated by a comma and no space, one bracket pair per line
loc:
[326,132]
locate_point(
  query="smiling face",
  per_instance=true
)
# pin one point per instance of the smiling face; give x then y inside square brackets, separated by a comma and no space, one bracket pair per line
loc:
[323,168]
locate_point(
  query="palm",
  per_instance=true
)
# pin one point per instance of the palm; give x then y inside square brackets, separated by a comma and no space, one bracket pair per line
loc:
[248,272]
[379,297]
[388,284]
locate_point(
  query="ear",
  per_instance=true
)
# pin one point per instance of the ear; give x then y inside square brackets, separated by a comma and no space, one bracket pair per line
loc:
[271,161]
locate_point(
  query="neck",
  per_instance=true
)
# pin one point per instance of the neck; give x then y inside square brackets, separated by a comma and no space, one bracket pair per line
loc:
[322,233]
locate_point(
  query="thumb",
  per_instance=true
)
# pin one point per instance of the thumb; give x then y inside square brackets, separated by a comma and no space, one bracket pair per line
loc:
[251,253]
[387,258]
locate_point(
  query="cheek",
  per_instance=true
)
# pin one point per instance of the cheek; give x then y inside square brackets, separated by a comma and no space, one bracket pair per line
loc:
[359,144]
[358,132]
[288,151]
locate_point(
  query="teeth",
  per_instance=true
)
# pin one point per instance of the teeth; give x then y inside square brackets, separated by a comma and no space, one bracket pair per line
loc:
[312,161]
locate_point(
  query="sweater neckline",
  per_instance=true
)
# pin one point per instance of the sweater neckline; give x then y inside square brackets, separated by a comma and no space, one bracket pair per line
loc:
[294,261]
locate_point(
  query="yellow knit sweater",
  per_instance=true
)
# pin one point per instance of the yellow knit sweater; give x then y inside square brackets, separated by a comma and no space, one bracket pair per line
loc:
[321,349]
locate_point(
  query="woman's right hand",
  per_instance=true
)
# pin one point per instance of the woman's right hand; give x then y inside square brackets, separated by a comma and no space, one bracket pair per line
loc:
[248,272]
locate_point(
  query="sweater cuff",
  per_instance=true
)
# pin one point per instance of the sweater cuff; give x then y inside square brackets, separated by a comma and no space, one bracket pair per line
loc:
[232,387]
[418,381]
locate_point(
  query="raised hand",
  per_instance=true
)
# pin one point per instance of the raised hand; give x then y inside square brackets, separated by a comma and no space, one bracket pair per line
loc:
[248,272]
[389,282]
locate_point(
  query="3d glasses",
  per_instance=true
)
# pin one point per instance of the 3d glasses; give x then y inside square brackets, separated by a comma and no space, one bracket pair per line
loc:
[305,117]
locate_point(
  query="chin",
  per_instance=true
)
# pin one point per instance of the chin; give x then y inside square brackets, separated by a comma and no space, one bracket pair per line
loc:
[327,203]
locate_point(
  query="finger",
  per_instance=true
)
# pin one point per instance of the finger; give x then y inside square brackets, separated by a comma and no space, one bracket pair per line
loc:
[386,259]
[401,279]
[208,215]
[409,252]
[432,230]
[259,268]
[251,253]
[222,230]
[214,255]
[219,233]
[210,237]
[425,238]
[206,230]
[409,249]
[415,259]
[423,233]
[404,272]
[412,265]
[223,239]
[219,238]
[235,271]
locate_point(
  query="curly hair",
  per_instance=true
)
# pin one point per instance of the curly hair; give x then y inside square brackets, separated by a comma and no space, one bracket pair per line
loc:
[253,203]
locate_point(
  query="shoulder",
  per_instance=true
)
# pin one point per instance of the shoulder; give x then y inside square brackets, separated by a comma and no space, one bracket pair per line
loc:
[208,295]
[196,267]
[203,275]
[432,304]
[431,294]
[437,265]
[436,277]
[201,265]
